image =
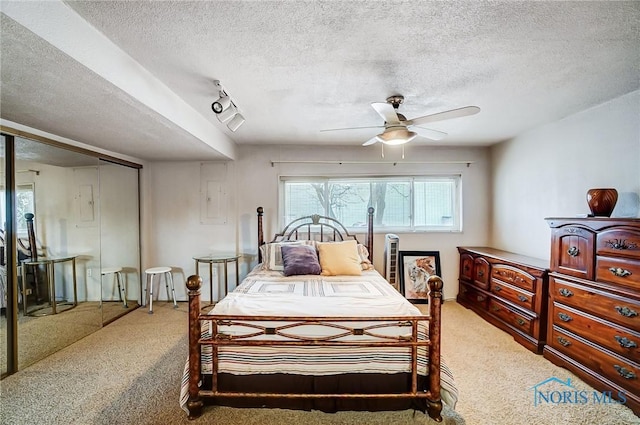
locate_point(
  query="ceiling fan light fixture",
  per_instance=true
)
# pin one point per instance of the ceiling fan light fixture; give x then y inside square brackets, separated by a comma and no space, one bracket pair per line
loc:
[396,137]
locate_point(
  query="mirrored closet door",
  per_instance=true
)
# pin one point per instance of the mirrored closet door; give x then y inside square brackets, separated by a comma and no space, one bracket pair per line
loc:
[75,222]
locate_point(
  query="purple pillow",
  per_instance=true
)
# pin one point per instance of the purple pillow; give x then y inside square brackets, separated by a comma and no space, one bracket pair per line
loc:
[300,259]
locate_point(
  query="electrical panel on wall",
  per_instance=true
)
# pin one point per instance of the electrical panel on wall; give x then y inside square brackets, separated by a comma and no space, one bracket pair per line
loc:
[85,181]
[391,243]
[214,193]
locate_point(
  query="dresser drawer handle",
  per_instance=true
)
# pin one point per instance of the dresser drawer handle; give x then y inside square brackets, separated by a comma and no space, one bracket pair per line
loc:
[480,298]
[466,267]
[523,298]
[625,342]
[495,308]
[624,372]
[497,288]
[520,321]
[565,292]
[480,273]
[564,342]
[619,272]
[573,251]
[621,244]
[565,317]
[626,311]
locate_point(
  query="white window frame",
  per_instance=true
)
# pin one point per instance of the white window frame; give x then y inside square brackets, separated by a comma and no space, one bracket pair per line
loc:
[455,227]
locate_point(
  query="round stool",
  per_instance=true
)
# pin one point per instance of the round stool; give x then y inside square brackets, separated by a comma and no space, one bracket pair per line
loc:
[168,280]
[122,289]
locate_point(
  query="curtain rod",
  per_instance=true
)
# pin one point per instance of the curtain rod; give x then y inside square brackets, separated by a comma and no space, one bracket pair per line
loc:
[394,163]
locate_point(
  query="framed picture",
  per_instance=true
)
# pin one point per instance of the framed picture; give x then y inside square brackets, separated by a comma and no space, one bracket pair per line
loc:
[415,269]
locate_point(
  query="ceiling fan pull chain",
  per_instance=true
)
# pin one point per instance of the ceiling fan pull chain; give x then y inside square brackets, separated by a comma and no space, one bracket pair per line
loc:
[402,151]
[382,145]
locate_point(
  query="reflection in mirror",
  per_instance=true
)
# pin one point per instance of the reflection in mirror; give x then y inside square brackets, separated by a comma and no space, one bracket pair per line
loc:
[58,298]
[119,236]
[77,254]
[4,341]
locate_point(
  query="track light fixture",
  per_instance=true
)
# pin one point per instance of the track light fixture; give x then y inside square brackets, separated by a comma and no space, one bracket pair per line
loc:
[226,111]
[235,122]
[220,105]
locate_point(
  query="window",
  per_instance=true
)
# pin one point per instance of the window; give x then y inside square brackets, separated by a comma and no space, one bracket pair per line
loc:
[419,203]
[25,203]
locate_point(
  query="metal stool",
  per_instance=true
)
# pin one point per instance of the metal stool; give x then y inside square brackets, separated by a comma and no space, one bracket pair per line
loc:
[168,280]
[122,289]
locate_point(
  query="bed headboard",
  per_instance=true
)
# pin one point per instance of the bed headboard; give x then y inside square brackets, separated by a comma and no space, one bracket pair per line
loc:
[316,227]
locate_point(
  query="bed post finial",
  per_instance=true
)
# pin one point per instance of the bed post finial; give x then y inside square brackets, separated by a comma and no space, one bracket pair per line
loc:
[370,212]
[260,211]
[194,405]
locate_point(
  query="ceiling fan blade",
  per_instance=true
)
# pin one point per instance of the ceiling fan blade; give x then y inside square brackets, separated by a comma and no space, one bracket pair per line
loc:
[446,115]
[371,141]
[386,111]
[353,128]
[429,133]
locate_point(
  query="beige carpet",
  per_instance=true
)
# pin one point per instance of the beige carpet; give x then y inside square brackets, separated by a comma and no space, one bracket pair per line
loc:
[41,336]
[129,372]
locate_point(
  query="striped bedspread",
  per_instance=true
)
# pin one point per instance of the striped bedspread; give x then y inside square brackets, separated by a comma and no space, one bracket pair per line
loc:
[269,293]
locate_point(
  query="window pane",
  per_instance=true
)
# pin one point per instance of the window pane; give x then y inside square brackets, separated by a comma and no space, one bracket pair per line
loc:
[434,203]
[24,204]
[303,199]
[392,202]
[400,203]
[349,201]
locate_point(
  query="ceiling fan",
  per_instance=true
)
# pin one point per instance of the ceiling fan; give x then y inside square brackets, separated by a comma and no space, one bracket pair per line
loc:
[398,130]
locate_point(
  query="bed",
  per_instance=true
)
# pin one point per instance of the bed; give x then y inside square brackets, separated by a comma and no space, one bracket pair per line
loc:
[337,338]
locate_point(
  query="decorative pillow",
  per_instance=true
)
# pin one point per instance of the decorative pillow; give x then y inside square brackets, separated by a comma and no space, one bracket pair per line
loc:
[339,258]
[300,259]
[363,253]
[272,254]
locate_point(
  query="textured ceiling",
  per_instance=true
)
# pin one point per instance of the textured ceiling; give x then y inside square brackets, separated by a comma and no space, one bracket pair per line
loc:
[294,68]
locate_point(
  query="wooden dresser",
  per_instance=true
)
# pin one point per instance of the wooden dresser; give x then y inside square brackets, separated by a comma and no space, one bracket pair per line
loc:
[507,290]
[594,303]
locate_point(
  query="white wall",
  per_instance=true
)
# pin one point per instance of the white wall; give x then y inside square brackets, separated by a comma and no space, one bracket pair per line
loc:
[172,228]
[547,171]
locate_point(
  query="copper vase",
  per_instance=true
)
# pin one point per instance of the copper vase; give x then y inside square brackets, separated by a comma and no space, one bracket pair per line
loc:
[602,201]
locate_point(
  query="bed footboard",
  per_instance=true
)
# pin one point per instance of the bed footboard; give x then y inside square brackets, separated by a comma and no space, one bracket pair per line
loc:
[287,337]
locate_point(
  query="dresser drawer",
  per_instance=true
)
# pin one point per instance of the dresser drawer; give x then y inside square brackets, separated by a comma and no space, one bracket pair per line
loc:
[618,271]
[573,250]
[623,372]
[481,274]
[510,315]
[616,338]
[466,267]
[515,295]
[514,276]
[473,296]
[619,242]
[623,311]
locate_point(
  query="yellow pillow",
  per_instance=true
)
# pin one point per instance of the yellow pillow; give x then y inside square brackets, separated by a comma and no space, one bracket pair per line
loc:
[339,258]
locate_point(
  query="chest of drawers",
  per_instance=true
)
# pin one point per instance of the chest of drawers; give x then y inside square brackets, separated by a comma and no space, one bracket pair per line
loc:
[508,290]
[594,303]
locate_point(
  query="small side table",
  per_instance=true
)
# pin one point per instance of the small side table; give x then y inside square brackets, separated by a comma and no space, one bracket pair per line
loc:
[218,258]
[49,264]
